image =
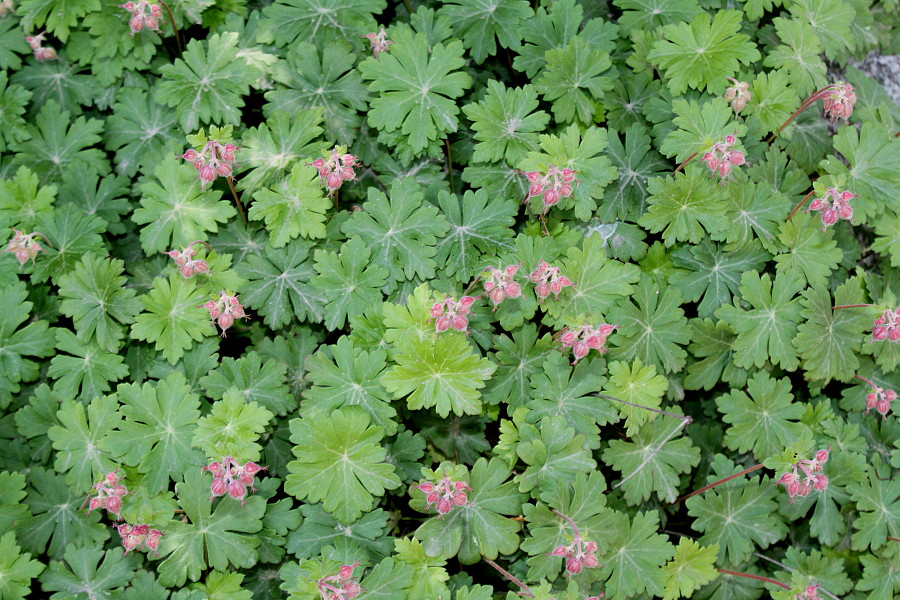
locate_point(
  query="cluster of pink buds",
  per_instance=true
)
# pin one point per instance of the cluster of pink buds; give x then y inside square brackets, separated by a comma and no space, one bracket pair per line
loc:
[839,100]
[336,169]
[143,15]
[41,52]
[231,478]
[214,159]
[378,42]
[187,266]
[721,157]
[548,280]
[224,310]
[452,313]
[445,494]
[880,399]
[887,326]
[109,495]
[134,536]
[500,283]
[812,477]
[340,586]
[24,246]
[552,187]
[580,554]
[738,94]
[833,206]
[585,338]
[6,7]
[811,592]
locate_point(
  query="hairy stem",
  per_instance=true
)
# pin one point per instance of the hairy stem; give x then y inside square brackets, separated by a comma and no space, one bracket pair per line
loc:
[806,104]
[757,577]
[174,27]
[570,521]
[717,483]
[508,575]
[689,159]
[799,206]
[866,380]
[237,200]
[450,165]
[850,306]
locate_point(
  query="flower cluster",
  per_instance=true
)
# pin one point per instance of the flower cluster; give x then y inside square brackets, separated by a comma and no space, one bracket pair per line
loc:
[134,536]
[24,246]
[445,494]
[738,94]
[41,52]
[224,310]
[109,495]
[580,554]
[721,157]
[186,263]
[452,313]
[812,477]
[548,280]
[811,592]
[552,187]
[231,478]
[887,326]
[378,42]
[143,15]
[839,100]
[214,157]
[336,169]
[340,586]
[585,338]
[500,283]
[880,399]
[833,206]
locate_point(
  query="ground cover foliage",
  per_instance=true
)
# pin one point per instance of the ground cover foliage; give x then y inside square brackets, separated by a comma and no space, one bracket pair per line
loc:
[505,283]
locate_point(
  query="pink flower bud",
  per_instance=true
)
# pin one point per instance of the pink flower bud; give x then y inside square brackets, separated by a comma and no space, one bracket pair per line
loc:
[318,163]
[533,177]
[883,407]
[187,271]
[333,181]
[590,546]
[200,266]
[120,491]
[822,456]
[437,309]
[890,395]
[829,216]
[225,321]
[820,482]
[894,334]
[351,590]
[730,140]
[550,197]
[542,290]
[497,295]
[346,571]
[845,211]
[96,503]
[580,350]
[568,175]
[590,561]
[460,323]
[736,158]
[444,506]
[460,499]
[786,479]
[207,173]
[347,174]
[114,505]
[488,285]
[223,169]
[152,23]
[568,338]
[513,290]
[573,566]
[560,551]
[565,190]
[190,155]
[739,104]
[443,323]
[129,6]
[218,487]
[426,487]
[153,541]
[237,490]
[879,333]
[136,24]
[155,10]
[467,301]
[724,168]
[535,189]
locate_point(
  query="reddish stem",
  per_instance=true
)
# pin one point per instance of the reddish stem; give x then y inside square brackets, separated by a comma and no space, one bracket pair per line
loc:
[893,539]
[689,158]
[850,306]
[174,27]
[525,589]
[571,522]
[866,380]
[806,104]
[717,483]
[237,200]
[757,577]
[799,206]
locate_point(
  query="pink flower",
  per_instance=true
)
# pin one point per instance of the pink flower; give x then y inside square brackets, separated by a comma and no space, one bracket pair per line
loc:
[452,313]
[738,94]
[552,187]
[805,475]
[839,101]
[336,169]
[144,15]
[213,159]
[833,206]
[445,494]
[378,42]
[499,283]
[721,158]
[184,258]
[232,478]
[585,338]
[224,310]
[24,246]
[548,279]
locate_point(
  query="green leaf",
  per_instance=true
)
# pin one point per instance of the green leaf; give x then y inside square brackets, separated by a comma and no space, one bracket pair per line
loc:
[478,22]
[156,434]
[653,327]
[90,368]
[347,281]
[637,384]
[661,474]
[699,127]
[12,43]
[887,237]
[319,529]
[755,210]
[476,529]
[561,390]
[140,132]
[173,318]
[811,254]
[216,539]
[428,576]
[636,553]
[402,231]
[207,85]
[712,273]
[773,100]
[505,123]
[692,567]
[416,88]
[276,145]
[323,79]
[339,462]
[647,15]
[766,329]
[23,201]
[84,577]
[572,81]
[232,428]
[441,372]
[518,359]
[828,340]
[29,341]
[223,586]
[711,347]
[82,443]
[737,515]
[765,421]
[880,577]
[280,288]
[831,20]
[258,382]
[318,21]
[344,375]
[636,162]
[479,226]
[105,197]
[701,55]
[72,234]
[95,296]
[56,16]
[798,55]
[553,453]
[878,506]
[175,210]
[13,99]
[687,207]
[17,567]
